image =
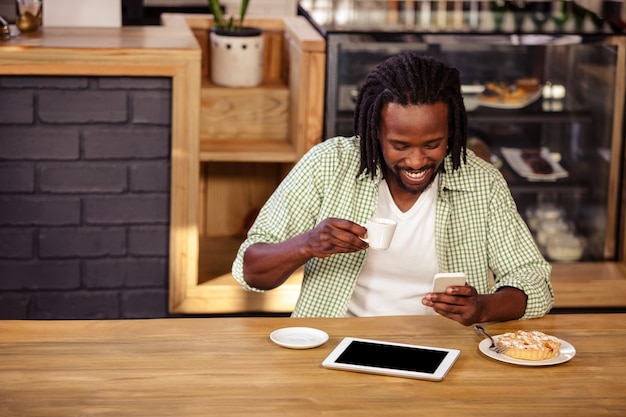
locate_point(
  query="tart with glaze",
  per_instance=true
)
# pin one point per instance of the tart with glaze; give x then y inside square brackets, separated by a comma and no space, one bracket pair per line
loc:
[533,345]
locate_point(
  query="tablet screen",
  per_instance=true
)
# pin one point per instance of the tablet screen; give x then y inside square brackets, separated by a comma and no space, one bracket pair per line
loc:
[392,356]
[388,358]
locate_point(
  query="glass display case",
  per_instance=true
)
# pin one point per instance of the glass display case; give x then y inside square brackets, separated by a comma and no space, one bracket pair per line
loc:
[562,68]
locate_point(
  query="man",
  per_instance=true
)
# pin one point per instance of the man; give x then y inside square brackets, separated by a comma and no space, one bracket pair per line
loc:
[408,162]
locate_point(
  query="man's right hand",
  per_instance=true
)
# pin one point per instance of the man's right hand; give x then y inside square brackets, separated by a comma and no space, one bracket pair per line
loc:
[333,236]
[268,265]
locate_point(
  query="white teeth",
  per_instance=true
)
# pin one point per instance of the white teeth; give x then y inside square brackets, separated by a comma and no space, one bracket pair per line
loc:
[415,175]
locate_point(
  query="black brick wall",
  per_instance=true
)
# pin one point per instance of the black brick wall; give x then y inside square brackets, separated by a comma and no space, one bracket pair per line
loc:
[84,197]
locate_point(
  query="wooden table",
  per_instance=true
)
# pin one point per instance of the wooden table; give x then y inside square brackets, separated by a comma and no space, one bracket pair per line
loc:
[229,367]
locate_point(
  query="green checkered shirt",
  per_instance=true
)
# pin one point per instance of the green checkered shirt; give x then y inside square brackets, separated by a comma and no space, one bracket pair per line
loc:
[477,228]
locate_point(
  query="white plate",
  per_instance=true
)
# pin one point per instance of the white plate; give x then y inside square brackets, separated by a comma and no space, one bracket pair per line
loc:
[513,157]
[299,337]
[530,98]
[566,353]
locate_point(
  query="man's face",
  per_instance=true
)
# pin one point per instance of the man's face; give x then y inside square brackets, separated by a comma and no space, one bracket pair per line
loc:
[414,142]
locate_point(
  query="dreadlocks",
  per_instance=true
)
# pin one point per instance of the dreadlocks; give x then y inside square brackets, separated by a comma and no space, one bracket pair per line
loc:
[408,79]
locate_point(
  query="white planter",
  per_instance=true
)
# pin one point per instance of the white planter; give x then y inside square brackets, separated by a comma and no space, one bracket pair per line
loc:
[237,57]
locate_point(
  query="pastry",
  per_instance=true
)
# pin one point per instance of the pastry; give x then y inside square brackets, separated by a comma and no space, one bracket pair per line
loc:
[492,92]
[528,84]
[510,93]
[503,93]
[514,95]
[536,162]
[533,345]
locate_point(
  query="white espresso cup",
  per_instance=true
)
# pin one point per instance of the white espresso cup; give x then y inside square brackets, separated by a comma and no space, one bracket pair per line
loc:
[379,232]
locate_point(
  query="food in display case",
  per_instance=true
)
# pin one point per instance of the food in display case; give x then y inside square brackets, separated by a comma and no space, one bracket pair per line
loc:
[536,214]
[565,247]
[517,95]
[554,233]
[550,227]
[534,164]
[528,84]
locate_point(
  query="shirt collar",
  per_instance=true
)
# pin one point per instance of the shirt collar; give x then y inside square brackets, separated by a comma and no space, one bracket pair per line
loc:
[455,180]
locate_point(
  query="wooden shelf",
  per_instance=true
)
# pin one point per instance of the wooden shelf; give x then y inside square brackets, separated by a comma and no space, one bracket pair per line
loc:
[241,131]
[218,292]
[248,151]
[277,121]
[246,124]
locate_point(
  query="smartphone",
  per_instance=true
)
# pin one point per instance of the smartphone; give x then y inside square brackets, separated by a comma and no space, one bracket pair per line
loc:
[444,279]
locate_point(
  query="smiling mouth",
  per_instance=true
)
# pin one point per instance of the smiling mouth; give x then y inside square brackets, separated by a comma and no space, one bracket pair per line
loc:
[416,175]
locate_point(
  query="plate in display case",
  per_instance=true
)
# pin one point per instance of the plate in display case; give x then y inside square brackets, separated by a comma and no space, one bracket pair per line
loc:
[513,157]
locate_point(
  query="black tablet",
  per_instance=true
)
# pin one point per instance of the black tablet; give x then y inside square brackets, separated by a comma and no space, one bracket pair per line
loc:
[392,359]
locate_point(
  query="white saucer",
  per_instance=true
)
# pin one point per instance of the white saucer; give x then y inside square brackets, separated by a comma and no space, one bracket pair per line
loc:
[299,337]
[566,353]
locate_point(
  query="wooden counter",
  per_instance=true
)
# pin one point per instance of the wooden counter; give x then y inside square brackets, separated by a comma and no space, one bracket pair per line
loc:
[589,285]
[229,367]
[154,51]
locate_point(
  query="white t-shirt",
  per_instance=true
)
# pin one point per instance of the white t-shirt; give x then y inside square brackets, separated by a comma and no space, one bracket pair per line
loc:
[394,281]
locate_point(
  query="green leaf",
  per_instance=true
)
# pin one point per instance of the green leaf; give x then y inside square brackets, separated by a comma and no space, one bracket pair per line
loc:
[242,11]
[219,19]
[216,8]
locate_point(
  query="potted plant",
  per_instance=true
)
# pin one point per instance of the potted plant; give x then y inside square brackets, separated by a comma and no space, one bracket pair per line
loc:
[236,50]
